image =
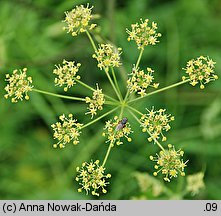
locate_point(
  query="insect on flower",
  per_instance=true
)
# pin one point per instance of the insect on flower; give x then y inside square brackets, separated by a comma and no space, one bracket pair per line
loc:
[121,124]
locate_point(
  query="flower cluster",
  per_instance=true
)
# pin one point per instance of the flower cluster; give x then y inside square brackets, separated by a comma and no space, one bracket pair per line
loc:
[143,33]
[66,131]
[107,56]
[67,74]
[155,122]
[96,103]
[78,19]
[114,130]
[139,81]
[200,70]
[195,183]
[169,163]
[18,85]
[91,178]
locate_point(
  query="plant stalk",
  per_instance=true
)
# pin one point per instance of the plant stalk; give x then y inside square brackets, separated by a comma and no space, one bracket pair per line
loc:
[160,90]
[58,95]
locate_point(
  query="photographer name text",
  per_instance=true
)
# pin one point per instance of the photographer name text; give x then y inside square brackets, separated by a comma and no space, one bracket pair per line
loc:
[53,207]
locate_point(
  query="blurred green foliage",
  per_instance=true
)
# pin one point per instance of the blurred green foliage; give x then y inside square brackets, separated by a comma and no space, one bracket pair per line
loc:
[31,36]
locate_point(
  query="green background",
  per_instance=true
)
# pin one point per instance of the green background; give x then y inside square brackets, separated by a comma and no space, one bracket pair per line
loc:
[31,36]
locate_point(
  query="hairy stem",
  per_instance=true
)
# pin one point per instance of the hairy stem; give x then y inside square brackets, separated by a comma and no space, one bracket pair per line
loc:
[160,90]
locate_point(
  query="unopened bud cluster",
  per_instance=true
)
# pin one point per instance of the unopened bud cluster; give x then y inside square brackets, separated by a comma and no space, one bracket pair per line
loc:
[96,102]
[18,85]
[155,122]
[195,183]
[200,70]
[139,81]
[66,131]
[107,56]
[114,133]
[67,74]
[147,183]
[78,19]
[143,33]
[92,178]
[169,162]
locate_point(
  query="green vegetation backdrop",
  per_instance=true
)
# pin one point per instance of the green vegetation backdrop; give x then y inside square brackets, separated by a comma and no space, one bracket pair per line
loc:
[31,36]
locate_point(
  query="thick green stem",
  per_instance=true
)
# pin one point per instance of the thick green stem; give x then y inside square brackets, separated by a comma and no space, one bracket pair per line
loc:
[156,141]
[100,117]
[160,90]
[58,95]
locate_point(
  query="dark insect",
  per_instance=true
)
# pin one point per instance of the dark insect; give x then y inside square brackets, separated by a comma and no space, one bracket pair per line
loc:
[121,124]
